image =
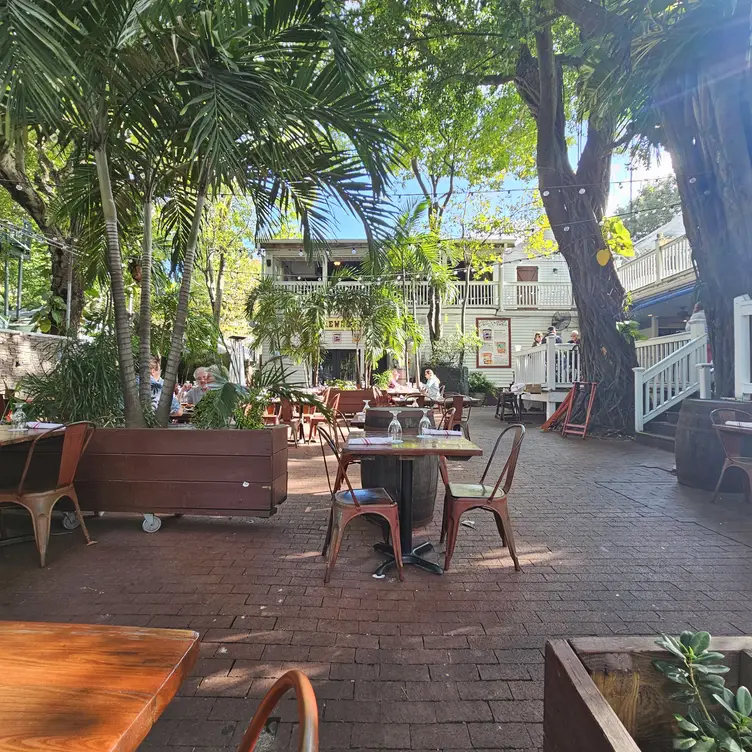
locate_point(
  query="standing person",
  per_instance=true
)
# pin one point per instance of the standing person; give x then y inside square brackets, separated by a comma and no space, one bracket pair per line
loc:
[552,333]
[432,387]
[574,337]
[155,366]
[204,377]
[537,339]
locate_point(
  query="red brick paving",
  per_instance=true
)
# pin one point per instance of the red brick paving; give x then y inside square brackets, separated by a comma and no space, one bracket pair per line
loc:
[608,542]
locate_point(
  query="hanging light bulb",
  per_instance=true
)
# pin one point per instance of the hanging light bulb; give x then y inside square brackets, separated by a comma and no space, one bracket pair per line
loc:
[581,191]
[566,228]
[353,251]
[300,252]
[693,180]
[546,193]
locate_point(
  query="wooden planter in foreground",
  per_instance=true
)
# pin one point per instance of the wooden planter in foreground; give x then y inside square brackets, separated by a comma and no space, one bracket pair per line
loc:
[602,694]
[184,471]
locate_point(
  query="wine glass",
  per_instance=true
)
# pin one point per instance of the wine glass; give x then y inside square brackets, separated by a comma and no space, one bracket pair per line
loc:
[395,427]
[18,418]
[366,405]
[425,423]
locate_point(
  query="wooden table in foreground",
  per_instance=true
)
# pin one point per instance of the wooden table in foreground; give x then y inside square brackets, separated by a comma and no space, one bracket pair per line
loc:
[85,687]
[410,448]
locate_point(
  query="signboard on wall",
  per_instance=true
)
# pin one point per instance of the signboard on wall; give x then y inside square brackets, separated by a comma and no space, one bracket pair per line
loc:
[333,323]
[496,348]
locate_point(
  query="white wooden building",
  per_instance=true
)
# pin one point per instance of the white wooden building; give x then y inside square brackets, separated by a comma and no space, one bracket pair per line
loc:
[521,296]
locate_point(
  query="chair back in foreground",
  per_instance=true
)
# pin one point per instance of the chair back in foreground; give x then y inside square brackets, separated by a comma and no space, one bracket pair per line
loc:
[727,422]
[308,713]
[507,473]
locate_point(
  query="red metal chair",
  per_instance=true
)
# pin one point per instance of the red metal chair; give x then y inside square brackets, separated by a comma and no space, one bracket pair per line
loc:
[732,444]
[318,418]
[462,497]
[38,498]
[271,414]
[352,503]
[308,712]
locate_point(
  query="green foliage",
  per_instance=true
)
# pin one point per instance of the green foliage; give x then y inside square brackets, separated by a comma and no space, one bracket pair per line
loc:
[342,384]
[617,237]
[84,384]
[381,380]
[630,330]
[479,382]
[448,350]
[52,312]
[716,719]
[651,208]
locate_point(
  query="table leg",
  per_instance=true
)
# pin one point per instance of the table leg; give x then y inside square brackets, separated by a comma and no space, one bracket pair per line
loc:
[412,555]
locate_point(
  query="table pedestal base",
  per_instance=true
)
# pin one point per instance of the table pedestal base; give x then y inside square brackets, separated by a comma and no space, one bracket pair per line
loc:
[412,558]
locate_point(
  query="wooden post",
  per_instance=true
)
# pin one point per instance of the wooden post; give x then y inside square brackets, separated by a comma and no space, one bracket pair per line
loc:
[551,363]
[658,259]
[500,289]
[742,353]
[639,407]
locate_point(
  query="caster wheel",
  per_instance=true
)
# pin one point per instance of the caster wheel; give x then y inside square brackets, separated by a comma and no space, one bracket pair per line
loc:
[151,523]
[70,521]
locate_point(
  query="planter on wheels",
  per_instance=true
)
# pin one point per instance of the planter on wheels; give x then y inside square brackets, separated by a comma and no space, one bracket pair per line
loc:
[384,472]
[184,471]
[602,694]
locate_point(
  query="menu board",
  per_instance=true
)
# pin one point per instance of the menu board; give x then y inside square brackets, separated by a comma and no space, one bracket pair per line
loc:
[496,348]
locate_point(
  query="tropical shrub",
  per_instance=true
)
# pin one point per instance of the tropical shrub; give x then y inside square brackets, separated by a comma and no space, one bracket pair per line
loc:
[480,383]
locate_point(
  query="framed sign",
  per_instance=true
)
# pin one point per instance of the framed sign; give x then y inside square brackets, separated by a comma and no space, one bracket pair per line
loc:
[336,338]
[496,348]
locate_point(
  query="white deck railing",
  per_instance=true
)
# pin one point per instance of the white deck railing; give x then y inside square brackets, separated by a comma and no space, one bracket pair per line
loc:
[666,260]
[551,366]
[652,351]
[669,381]
[514,295]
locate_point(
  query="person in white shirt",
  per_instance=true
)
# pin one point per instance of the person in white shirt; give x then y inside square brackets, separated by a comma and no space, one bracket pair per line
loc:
[432,387]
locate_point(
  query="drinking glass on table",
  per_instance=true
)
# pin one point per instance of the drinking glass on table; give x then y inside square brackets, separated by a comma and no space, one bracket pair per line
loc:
[395,427]
[18,419]
[425,423]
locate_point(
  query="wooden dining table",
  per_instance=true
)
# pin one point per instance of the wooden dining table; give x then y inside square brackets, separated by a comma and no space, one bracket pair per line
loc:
[407,451]
[9,436]
[87,687]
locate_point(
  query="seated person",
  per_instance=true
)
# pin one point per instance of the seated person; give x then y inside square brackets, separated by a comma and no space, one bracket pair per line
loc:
[394,380]
[176,409]
[205,378]
[432,387]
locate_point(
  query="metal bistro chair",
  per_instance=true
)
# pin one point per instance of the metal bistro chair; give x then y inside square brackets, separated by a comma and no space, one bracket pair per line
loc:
[462,497]
[318,418]
[732,446]
[508,401]
[352,503]
[288,417]
[461,419]
[308,712]
[38,497]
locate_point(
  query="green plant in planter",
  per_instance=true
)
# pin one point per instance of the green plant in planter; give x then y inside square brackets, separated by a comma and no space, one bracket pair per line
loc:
[480,383]
[381,380]
[717,719]
[342,384]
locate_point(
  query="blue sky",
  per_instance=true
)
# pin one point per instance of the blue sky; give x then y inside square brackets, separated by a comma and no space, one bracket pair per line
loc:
[350,227]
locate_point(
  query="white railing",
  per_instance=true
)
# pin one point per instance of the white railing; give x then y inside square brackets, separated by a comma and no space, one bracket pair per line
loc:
[743,347]
[537,295]
[666,260]
[532,295]
[668,381]
[551,366]
[651,351]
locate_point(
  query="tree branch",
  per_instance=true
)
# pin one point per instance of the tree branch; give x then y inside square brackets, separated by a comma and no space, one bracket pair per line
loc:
[419,178]
[593,19]
[497,79]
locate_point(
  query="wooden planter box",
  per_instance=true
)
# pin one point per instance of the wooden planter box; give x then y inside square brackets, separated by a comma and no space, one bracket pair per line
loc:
[602,694]
[184,471]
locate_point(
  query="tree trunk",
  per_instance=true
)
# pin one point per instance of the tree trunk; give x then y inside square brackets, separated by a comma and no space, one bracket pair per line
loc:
[144,323]
[606,356]
[176,343]
[219,289]
[706,117]
[134,416]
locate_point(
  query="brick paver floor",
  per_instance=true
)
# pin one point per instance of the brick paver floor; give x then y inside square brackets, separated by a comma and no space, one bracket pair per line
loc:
[608,541]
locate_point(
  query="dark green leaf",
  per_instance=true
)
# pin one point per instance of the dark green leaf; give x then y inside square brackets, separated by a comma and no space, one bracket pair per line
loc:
[684,743]
[699,642]
[744,701]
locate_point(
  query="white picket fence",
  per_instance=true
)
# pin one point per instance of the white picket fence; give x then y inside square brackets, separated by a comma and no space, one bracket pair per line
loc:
[652,351]
[743,347]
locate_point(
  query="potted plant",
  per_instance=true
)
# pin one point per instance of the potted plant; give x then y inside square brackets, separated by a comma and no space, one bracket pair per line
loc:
[226,463]
[635,693]
[481,387]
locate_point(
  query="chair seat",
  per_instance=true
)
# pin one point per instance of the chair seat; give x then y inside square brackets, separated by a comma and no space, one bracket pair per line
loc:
[470,491]
[365,496]
[741,460]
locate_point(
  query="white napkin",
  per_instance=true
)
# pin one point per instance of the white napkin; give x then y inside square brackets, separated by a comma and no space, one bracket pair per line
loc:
[440,432]
[369,441]
[43,426]
[738,424]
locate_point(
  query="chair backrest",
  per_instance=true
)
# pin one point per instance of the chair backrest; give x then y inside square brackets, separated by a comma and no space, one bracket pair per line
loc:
[325,440]
[308,712]
[76,436]
[729,441]
[458,403]
[507,473]
[334,402]
[271,408]
[286,411]
[446,423]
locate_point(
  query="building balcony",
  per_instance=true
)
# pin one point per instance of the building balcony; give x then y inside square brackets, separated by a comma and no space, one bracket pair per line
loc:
[513,295]
[665,267]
